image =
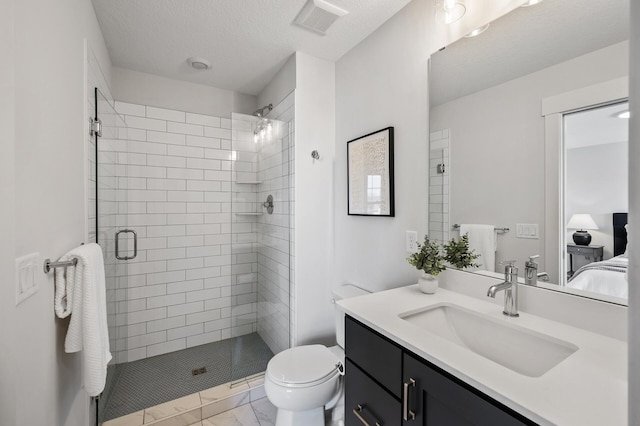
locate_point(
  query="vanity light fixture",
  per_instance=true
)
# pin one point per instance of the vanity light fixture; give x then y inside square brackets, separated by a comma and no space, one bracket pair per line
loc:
[623,114]
[450,11]
[531,3]
[582,222]
[477,31]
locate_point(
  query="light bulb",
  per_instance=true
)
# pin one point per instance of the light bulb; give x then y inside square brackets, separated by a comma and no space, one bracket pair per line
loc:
[450,11]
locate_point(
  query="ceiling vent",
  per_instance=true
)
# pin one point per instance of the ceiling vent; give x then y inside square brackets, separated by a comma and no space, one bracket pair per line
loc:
[318,16]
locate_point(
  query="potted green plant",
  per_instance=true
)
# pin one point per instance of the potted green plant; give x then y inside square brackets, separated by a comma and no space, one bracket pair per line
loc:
[459,255]
[428,259]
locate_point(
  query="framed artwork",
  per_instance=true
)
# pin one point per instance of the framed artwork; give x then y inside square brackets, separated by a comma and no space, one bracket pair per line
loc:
[370,174]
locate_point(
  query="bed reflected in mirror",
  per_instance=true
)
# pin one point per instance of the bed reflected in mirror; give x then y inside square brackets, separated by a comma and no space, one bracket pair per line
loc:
[596,175]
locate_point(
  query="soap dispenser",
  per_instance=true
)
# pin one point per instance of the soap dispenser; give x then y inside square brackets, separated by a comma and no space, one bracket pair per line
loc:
[531,271]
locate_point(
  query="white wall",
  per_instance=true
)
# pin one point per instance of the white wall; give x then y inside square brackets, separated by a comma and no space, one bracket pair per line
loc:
[634,213]
[596,182]
[43,200]
[148,89]
[7,214]
[280,86]
[497,147]
[383,82]
[315,130]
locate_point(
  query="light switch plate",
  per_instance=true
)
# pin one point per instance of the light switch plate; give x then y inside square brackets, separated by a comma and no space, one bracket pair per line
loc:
[27,268]
[527,230]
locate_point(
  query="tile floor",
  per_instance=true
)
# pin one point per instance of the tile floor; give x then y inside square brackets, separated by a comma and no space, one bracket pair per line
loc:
[242,404]
[257,413]
[156,380]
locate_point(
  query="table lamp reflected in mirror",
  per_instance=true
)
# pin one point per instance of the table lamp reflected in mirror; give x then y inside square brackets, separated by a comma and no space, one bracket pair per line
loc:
[582,222]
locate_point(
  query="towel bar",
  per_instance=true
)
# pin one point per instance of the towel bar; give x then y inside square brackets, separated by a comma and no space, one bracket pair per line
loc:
[503,230]
[49,265]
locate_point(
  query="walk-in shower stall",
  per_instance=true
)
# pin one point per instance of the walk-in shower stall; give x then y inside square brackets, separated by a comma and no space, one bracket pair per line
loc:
[194,215]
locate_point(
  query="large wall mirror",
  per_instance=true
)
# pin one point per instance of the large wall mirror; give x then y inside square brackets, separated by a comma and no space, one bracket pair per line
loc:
[528,129]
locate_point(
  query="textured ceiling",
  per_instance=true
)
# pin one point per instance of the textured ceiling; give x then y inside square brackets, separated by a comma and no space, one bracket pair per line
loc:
[527,40]
[247,41]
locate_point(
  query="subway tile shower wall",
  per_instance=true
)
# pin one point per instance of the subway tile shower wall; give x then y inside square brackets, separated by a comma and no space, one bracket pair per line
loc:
[175,174]
[439,186]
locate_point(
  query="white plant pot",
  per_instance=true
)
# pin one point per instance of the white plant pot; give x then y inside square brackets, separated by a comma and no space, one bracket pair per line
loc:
[428,284]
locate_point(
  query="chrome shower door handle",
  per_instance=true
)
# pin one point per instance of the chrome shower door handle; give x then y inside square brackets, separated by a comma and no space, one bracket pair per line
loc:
[135,244]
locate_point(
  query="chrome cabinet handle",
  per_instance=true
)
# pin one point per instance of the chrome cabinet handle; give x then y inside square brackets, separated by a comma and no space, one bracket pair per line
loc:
[135,244]
[357,411]
[406,413]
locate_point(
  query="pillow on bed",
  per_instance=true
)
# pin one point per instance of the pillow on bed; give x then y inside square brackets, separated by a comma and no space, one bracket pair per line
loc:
[626,249]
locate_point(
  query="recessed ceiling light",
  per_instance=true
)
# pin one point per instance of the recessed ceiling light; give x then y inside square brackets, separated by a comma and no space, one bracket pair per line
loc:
[477,31]
[623,114]
[531,3]
[199,63]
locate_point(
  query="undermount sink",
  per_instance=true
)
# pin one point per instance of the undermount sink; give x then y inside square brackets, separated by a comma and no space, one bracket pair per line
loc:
[524,351]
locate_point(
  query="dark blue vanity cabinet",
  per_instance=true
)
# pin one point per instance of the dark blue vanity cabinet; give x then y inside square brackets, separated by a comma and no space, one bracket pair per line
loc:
[387,385]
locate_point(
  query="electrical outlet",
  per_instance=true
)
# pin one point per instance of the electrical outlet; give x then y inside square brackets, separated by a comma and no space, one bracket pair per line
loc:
[411,241]
[26,276]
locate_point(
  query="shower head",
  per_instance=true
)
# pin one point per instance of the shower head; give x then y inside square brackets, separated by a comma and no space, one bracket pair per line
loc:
[260,111]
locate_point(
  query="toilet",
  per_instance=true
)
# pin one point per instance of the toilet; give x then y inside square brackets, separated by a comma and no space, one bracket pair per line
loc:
[302,381]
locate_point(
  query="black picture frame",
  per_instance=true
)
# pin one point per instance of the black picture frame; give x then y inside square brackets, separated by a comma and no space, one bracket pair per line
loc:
[370,174]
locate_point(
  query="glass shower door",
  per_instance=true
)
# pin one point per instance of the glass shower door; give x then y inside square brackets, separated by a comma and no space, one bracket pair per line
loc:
[260,225]
[109,133]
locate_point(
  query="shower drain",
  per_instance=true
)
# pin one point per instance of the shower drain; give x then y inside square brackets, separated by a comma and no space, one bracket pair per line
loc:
[198,371]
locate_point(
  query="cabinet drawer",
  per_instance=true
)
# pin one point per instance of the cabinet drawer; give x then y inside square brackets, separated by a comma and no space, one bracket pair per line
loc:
[377,405]
[376,355]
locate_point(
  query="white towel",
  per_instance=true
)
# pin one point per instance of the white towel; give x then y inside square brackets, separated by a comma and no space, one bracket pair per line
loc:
[83,295]
[482,239]
[65,279]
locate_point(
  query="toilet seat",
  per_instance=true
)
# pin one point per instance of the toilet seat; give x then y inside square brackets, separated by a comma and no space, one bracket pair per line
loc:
[304,366]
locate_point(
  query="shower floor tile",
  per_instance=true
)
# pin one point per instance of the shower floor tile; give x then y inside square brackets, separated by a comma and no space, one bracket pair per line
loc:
[153,381]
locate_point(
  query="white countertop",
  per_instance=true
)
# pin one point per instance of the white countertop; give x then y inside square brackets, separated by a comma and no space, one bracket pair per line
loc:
[587,388]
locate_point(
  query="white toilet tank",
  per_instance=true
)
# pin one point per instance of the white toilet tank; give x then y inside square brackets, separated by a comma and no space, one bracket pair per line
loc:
[344,292]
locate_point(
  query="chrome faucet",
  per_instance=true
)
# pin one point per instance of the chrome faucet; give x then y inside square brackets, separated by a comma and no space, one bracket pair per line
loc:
[531,271]
[510,287]
[543,276]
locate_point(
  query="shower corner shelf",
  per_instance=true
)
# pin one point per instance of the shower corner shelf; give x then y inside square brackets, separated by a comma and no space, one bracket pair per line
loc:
[249,182]
[248,214]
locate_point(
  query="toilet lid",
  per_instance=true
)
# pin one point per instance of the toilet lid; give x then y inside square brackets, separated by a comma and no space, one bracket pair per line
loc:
[303,364]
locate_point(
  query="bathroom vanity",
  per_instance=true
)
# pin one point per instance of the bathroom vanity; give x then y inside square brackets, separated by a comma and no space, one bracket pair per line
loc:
[448,359]
[384,380]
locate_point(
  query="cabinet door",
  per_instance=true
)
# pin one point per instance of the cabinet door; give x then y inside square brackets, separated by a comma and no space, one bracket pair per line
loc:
[375,354]
[437,400]
[366,402]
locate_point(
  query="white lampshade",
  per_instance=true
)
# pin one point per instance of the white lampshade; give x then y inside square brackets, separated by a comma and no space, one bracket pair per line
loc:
[581,221]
